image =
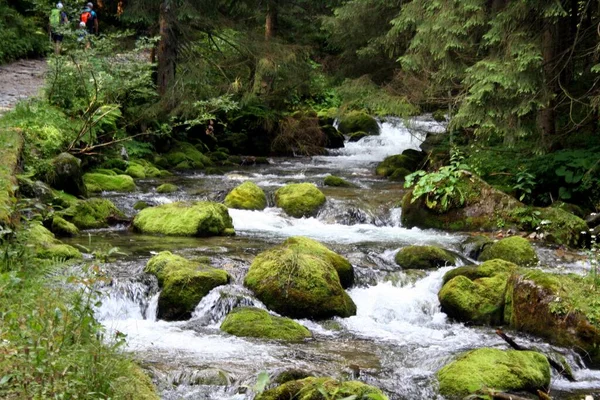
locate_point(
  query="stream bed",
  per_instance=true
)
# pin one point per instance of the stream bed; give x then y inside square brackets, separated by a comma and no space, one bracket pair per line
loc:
[399,337]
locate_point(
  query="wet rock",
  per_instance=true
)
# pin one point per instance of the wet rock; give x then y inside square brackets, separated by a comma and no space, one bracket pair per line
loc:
[593,220]
[96,183]
[255,322]
[35,189]
[93,214]
[46,246]
[135,170]
[183,156]
[474,245]
[423,257]
[291,375]
[185,219]
[321,388]
[62,227]
[358,121]
[334,139]
[494,369]
[299,279]
[67,175]
[356,136]
[561,227]
[300,199]
[393,163]
[247,196]
[416,156]
[336,181]
[514,249]
[140,205]
[166,188]
[184,283]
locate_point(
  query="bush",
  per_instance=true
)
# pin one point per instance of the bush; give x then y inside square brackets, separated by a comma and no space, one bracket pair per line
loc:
[19,36]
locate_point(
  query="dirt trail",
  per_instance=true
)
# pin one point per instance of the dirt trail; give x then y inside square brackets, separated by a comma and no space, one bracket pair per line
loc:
[20,80]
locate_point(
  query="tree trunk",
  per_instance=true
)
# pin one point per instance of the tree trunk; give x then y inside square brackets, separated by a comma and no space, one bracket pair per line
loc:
[271,21]
[547,115]
[167,48]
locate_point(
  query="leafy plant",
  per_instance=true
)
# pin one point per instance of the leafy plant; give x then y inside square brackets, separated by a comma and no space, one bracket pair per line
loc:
[525,182]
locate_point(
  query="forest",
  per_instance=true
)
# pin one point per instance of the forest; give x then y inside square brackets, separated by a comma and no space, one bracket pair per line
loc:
[276,200]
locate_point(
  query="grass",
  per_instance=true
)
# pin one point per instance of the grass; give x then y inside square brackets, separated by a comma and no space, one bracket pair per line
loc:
[11,144]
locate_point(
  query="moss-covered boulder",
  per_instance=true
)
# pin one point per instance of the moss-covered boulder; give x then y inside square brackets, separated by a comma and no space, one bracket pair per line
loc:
[67,175]
[96,182]
[134,385]
[62,227]
[184,283]
[334,139]
[254,322]
[476,293]
[34,189]
[494,369]
[93,214]
[356,136]
[184,155]
[247,196]
[336,181]
[416,156]
[136,171]
[46,246]
[562,227]
[299,279]
[423,257]
[392,163]
[358,121]
[399,175]
[202,218]
[514,249]
[322,389]
[472,246]
[300,199]
[140,205]
[563,309]
[166,188]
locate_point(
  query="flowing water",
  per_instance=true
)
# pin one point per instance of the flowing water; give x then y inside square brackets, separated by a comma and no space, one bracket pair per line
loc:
[399,337]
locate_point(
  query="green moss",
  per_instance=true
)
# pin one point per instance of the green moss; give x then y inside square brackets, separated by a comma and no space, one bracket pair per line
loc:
[11,144]
[562,227]
[185,219]
[399,174]
[46,246]
[356,136]
[392,163]
[484,270]
[62,227]
[247,196]
[140,205]
[494,369]
[334,139]
[254,322]
[514,249]
[166,188]
[439,115]
[293,281]
[67,175]
[117,183]
[184,283]
[472,246]
[135,385]
[321,389]
[333,180]
[185,156]
[93,214]
[63,199]
[358,121]
[423,257]
[300,199]
[136,171]
[104,171]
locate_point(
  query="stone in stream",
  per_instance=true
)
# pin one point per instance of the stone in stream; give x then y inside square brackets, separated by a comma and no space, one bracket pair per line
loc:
[183,284]
[99,182]
[301,278]
[254,322]
[336,181]
[424,257]
[334,139]
[67,175]
[62,227]
[247,196]
[46,246]
[514,249]
[300,199]
[358,121]
[322,388]
[166,188]
[93,214]
[398,164]
[494,369]
[201,218]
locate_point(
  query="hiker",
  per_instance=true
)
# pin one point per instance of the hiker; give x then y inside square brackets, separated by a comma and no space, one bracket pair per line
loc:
[58,19]
[90,18]
[210,129]
[82,35]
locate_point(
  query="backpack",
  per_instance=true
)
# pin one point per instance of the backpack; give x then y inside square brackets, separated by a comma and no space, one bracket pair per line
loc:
[55,18]
[88,18]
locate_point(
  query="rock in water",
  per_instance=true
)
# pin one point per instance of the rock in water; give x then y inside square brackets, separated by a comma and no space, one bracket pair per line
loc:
[300,199]
[254,322]
[247,196]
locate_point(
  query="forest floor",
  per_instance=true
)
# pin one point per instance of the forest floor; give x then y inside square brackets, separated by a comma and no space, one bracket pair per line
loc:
[19,80]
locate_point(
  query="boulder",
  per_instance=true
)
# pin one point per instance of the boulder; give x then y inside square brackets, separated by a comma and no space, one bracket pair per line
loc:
[140,205]
[67,175]
[166,188]
[136,171]
[356,136]
[476,293]
[562,227]
[300,199]
[358,121]
[93,214]
[336,181]
[62,227]
[299,279]
[423,257]
[322,389]
[183,284]
[392,163]
[334,139]
[399,174]
[494,369]
[416,156]
[247,196]
[201,218]
[184,155]
[46,246]
[35,189]
[514,249]
[96,183]
[254,322]
[472,246]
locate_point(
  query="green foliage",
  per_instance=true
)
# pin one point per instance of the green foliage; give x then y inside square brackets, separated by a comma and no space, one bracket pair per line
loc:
[525,182]
[19,36]
[363,94]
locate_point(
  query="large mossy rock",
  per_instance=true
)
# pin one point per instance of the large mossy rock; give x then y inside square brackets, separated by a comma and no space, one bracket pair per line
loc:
[98,182]
[62,227]
[46,246]
[202,218]
[247,196]
[93,214]
[67,175]
[322,389]
[254,322]
[358,122]
[562,309]
[166,188]
[393,163]
[134,385]
[336,181]
[183,284]
[300,199]
[299,279]
[562,227]
[424,257]
[494,369]
[334,139]
[476,293]
[184,156]
[514,249]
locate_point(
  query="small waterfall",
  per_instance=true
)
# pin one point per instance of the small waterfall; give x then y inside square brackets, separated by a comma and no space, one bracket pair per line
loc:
[215,306]
[128,300]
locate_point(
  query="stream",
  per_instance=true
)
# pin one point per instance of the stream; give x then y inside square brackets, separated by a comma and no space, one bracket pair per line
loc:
[399,337]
